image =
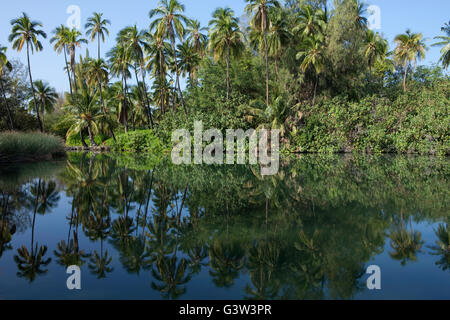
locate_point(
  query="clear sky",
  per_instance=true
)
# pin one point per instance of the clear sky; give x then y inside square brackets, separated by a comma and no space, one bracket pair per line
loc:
[396,16]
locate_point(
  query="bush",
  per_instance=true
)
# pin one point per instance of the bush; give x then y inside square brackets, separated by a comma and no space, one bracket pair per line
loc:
[75,140]
[19,146]
[137,141]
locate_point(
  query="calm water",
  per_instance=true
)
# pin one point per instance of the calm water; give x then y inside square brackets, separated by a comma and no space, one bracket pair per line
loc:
[140,229]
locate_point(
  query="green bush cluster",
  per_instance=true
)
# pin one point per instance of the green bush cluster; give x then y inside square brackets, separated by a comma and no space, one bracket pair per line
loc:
[415,122]
[137,141]
[75,140]
[20,146]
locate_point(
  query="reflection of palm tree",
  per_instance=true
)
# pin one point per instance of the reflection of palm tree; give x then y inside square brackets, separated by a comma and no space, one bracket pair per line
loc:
[226,260]
[69,254]
[6,229]
[172,275]
[136,256]
[30,263]
[442,247]
[406,245]
[100,262]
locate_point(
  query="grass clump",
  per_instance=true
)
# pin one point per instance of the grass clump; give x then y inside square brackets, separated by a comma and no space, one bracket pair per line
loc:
[31,146]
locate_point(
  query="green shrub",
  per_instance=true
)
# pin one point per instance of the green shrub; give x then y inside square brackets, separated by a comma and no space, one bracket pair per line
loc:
[75,140]
[137,141]
[19,146]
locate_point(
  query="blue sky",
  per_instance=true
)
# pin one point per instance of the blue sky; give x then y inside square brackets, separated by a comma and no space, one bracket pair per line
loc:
[396,16]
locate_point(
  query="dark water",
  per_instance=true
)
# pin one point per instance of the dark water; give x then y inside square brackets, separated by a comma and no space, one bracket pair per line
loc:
[142,229]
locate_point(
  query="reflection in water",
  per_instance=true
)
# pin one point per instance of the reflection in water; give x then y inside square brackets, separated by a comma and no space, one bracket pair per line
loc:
[307,233]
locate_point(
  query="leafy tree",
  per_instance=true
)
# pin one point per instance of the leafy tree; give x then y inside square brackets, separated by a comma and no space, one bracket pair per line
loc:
[26,32]
[46,96]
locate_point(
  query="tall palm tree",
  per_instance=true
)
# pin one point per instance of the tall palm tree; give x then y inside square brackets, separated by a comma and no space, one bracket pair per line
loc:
[98,75]
[135,41]
[74,40]
[410,48]
[188,61]
[445,43]
[5,65]
[312,55]
[278,35]
[261,22]
[225,38]
[46,96]
[196,38]
[170,24]
[60,39]
[376,48]
[97,28]
[27,32]
[310,22]
[157,50]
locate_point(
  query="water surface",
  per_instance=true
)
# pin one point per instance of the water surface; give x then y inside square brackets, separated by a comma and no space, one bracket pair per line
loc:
[145,229]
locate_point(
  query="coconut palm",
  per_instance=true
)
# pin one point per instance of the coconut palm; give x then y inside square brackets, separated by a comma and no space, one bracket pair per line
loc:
[188,61]
[5,65]
[170,24]
[120,64]
[46,96]
[278,35]
[157,50]
[74,40]
[60,40]
[96,27]
[310,22]
[225,38]
[26,32]
[97,74]
[312,53]
[376,48]
[410,48]
[260,22]
[85,113]
[445,43]
[135,41]
[195,37]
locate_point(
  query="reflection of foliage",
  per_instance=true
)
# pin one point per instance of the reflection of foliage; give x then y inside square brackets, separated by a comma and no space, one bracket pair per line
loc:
[442,247]
[173,276]
[406,245]
[100,264]
[30,263]
[70,254]
[226,260]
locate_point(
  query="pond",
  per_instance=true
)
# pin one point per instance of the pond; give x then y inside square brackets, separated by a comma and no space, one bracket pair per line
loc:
[141,228]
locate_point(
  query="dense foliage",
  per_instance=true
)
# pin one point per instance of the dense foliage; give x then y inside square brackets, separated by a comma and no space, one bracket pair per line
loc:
[312,69]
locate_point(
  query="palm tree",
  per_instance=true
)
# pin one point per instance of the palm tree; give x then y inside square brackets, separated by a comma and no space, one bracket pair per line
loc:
[196,38]
[406,244]
[60,39]
[119,61]
[157,50]
[98,75]
[278,35]
[26,32]
[5,65]
[261,22]
[410,48]
[74,40]
[170,24]
[188,61]
[376,48]
[85,113]
[46,96]
[442,247]
[135,40]
[172,275]
[445,43]
[97,28]
[312,55]
[225,38]
[310,22]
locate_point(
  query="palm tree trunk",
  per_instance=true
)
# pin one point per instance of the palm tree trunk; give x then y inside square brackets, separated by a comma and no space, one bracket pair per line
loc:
[267,67]
[98,36]
[104,109]
[177,85]
[82,139]
[149,111]
[126,101]
[68,71]
[32,90]
[8,110]
[91,137]
[228,72]
[404,79]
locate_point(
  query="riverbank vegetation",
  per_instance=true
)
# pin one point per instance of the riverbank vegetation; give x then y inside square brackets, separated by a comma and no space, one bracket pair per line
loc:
[33,146]
[314,71]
